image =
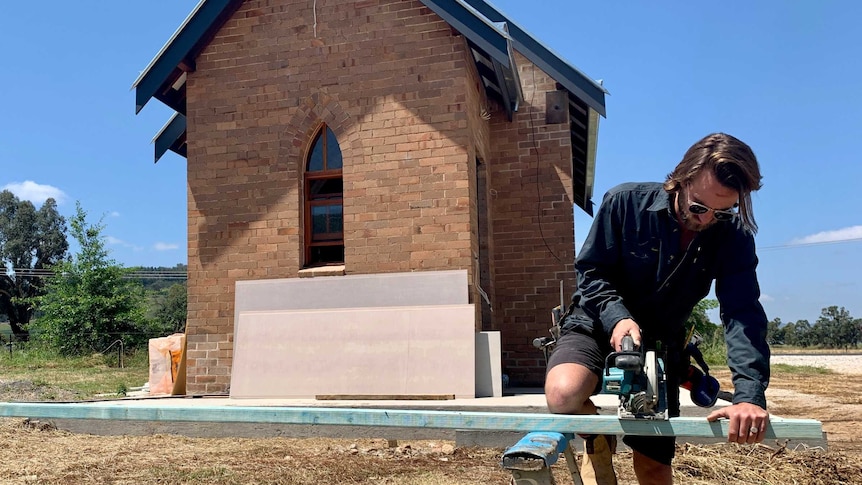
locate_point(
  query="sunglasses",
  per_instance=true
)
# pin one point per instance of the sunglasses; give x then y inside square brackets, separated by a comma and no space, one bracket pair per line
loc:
[718,214]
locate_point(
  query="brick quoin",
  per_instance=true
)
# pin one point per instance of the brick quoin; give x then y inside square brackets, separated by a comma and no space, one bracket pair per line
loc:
[399,89]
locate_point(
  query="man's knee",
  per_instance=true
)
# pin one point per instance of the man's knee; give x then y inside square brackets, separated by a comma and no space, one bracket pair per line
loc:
[568,388]
[652,472]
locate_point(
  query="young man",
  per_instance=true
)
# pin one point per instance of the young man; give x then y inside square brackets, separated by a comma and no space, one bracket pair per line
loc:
[651,255]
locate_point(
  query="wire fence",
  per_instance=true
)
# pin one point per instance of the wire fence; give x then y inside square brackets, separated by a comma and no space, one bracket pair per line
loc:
[123,343]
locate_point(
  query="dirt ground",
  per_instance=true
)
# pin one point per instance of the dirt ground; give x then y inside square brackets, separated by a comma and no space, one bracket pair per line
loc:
[36,453]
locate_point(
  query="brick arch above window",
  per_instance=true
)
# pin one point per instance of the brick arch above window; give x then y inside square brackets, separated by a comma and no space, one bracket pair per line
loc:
[305,122]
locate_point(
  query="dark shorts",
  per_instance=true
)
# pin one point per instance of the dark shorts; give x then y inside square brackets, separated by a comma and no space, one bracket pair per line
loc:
[577,347]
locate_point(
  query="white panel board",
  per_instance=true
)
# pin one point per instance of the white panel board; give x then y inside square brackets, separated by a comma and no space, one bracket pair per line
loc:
[417,288]
[489,373]
[417,350]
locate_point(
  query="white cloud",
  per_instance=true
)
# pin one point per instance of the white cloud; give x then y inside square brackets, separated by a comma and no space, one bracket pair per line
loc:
[845,234]
[160,246]
[764,297]
[114,214]
[111,240]
[35,193]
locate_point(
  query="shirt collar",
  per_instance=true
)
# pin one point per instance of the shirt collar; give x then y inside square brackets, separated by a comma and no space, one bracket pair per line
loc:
[661,202]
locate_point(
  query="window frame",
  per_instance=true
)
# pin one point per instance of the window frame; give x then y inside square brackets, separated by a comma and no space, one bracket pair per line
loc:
[310,201]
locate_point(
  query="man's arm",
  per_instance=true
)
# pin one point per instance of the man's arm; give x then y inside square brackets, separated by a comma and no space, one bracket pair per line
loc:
[744,322]
[596,266]
[747,351]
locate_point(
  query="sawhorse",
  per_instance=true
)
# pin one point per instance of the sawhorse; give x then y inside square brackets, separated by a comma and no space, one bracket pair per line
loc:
[530,459]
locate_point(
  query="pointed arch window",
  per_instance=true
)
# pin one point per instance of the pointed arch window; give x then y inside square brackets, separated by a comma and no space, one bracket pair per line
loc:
[324,201]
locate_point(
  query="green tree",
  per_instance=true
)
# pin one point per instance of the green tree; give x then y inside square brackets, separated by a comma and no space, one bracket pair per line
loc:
[699,320]
[713,346]
[803,335]
[775,332]
[89,303]
[171,311]
[30,241]
[837,329]
[790,335]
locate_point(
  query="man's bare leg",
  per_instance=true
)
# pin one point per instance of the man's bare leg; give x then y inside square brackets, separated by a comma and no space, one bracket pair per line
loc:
[651,472]
[568,388]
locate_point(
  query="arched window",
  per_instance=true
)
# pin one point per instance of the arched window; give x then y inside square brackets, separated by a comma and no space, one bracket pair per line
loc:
[324,195]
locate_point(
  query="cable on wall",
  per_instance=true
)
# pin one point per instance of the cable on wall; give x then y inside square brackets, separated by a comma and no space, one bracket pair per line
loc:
[538,161]
[314,11]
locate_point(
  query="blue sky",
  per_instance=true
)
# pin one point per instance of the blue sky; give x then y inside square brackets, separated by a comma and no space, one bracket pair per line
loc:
[782,76]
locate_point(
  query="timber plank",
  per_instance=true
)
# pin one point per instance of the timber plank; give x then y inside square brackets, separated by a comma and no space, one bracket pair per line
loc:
[597,424]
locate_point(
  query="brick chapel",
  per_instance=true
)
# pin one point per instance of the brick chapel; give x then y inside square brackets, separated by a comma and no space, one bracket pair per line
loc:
[336,137]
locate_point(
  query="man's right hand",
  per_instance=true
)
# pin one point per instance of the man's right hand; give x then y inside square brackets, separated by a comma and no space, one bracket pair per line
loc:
[624,327]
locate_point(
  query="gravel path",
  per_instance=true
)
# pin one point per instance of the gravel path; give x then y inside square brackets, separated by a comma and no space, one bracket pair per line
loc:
[845,364]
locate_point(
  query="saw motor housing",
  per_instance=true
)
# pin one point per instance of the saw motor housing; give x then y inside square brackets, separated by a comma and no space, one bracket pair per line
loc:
[638,378]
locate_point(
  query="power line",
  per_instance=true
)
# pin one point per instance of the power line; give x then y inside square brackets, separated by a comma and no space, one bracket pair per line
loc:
[42,273]
[802,245]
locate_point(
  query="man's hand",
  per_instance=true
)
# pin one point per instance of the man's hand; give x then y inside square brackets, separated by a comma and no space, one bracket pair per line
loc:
[624,327]
[744,418]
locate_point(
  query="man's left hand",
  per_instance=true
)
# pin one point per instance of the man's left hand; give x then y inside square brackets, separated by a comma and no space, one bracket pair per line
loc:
[745,418]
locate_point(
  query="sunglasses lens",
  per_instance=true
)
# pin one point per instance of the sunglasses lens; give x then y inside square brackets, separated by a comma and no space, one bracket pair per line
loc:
[697,209]
[722,216]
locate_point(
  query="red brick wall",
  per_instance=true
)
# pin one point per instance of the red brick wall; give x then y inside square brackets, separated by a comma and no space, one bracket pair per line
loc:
[390,79]
[531,178]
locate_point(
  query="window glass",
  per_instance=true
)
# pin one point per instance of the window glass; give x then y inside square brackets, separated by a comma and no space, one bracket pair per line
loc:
[327,254]
[333,151]
[315,160]
[326,188]
[326,223]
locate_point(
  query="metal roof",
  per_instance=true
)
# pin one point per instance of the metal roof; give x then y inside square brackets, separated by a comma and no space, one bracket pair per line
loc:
[172,137]
[590,91]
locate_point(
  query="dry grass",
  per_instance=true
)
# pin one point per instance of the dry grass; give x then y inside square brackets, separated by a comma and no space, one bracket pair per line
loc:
[765,465]
[43,455]
[40,454]
[37,453]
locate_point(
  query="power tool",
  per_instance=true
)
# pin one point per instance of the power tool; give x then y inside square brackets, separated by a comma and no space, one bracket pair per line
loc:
[638,378]
[705,389]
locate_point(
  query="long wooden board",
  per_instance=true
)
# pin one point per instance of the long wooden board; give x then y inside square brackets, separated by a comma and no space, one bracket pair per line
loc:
[463,420]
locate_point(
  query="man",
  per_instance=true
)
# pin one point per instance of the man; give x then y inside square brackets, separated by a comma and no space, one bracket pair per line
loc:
[651,255]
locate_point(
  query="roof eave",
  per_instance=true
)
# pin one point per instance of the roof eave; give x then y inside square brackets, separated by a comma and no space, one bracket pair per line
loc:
[171,137]
[489,37]
[592,145]
[590,91]
[178,54]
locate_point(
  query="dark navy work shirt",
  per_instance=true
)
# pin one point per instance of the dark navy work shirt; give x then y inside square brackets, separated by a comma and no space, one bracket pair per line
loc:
[632,265]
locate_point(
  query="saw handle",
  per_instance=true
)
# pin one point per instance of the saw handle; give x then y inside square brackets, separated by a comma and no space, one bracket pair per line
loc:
[628,358]
[628,343]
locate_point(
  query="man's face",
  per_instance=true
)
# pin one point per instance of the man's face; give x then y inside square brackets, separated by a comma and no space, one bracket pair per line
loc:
[706,191]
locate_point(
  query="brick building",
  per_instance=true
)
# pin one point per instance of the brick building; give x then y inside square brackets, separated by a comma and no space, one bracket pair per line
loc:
[340,137]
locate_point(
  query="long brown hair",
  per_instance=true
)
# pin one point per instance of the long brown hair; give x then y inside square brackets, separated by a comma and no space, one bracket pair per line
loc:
[733,163]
